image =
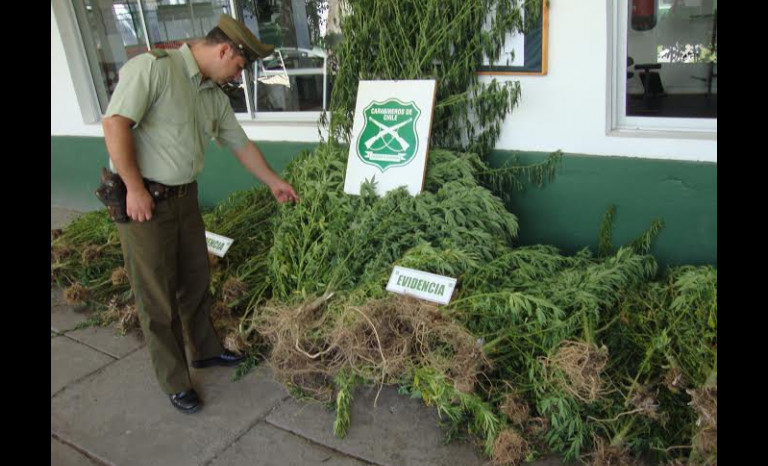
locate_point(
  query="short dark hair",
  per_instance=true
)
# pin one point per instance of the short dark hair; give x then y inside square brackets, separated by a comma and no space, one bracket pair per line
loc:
[216,36]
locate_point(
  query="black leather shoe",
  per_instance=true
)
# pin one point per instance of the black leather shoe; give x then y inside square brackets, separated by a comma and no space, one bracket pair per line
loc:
[187,402]
[227,358]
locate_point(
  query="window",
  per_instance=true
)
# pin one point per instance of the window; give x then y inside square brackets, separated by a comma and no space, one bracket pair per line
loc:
[112,34]
[293,79]
[664,73]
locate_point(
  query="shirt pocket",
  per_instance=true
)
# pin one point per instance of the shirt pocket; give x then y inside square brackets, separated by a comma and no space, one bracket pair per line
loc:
[212,129]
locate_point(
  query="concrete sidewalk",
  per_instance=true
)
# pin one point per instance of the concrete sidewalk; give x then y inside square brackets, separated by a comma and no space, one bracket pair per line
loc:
[106,408]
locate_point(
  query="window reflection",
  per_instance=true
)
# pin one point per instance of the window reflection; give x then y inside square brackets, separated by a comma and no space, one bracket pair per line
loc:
[672,59]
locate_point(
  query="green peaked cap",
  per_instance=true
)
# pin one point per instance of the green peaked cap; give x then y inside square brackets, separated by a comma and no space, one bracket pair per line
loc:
[244,39]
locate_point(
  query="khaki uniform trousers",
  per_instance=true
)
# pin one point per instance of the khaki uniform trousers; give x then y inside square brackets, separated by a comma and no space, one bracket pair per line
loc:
[166,260]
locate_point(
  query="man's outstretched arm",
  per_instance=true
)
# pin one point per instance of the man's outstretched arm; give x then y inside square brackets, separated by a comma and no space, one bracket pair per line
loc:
[252,159]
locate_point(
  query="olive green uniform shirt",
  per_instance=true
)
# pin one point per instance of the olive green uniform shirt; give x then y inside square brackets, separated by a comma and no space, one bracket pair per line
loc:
[176,114]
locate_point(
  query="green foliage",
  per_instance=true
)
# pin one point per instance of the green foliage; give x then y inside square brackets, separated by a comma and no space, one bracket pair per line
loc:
[510,178]
[253,358]
[671,323]
[519,303]
[605,247]
[459,408]
[441,40]
[643,243]
[345,383]
[665,343]
[247,217]
[335,242]
[569,433]
[87,252]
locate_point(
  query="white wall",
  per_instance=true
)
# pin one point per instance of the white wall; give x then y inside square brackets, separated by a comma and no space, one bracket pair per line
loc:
[565,110]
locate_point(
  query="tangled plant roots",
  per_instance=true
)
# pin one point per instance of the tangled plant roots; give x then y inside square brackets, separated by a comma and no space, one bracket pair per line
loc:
[645,402]
[227,325]
[396,333]
[219,311]
[381,341]
[516,410]
[582,365]
[213,260]
[90,254]
[125,316]
[509,449]
[301,356]
[75,294]
[704,401]
[129,319]
[235,341]
[535,428]
[59,253]
[232,290]
[112,314]
[705,443]
[119,276]
[312,378]
[674,380]
[608,455]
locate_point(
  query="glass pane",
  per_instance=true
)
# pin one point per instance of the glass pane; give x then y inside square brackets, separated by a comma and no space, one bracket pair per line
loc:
[112,34]
[292,80]
[294,77]
[171,23]
[672,59]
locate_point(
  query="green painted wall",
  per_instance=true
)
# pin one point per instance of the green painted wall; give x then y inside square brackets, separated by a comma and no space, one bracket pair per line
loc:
[76,164]
[565,213]
[568,211]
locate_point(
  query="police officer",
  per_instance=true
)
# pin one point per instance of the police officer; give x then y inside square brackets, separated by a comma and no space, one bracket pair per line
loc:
[166,107]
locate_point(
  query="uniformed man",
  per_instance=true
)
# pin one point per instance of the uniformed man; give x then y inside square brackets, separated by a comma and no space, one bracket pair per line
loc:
[166,107]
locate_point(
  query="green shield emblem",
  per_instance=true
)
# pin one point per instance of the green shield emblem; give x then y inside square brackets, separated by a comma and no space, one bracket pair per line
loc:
[389,138]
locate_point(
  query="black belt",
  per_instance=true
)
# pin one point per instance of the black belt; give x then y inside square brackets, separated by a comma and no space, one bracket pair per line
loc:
[160,192]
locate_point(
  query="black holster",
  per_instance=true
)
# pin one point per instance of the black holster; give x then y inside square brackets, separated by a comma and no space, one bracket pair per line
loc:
[111,192]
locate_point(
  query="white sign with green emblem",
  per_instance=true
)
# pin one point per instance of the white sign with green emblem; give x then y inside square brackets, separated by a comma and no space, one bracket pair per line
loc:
[390,135]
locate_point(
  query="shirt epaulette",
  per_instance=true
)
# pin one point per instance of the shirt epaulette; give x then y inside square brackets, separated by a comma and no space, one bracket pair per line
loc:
[158,53]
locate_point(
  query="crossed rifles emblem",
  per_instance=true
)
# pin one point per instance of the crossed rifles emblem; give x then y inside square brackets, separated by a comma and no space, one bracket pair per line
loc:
[388,130]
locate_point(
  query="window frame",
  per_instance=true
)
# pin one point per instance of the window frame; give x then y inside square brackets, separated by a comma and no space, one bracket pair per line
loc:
[617,121]
[77,61]
[86,88]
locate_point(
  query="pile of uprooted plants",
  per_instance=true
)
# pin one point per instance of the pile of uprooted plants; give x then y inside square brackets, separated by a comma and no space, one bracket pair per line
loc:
[597,357]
